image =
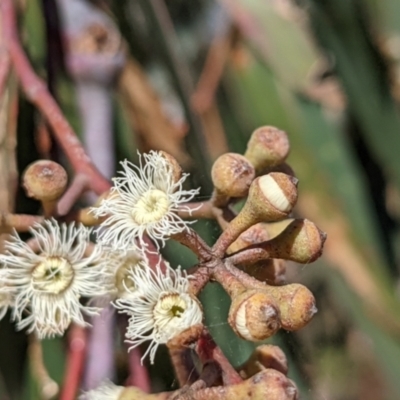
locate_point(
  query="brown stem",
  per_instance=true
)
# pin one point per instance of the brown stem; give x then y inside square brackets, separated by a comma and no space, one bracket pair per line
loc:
[249,255]
[197,210]
[232,285]
[210,77]
[184,367]
[194,242]
[199,279]
[36,90]
[208,350]
[244,278]
[19,222]
[72,194]
[75,362]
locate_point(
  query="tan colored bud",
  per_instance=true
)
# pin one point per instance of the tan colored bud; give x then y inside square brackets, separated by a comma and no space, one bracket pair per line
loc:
[265,356]
[271,198]
[255,234]
[232,175]
[301,241]
[267,384]
[296,305]
[45,180]
[254,315]
[268,146]
[176,168]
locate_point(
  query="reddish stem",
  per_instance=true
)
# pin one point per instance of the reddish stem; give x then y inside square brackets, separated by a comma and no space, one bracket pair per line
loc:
[194,242]
[75,363]
[4,70]
[138,376]
[208,350]
[36,90]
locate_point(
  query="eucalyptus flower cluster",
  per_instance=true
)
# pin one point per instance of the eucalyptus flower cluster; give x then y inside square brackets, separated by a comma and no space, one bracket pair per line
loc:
[49,281]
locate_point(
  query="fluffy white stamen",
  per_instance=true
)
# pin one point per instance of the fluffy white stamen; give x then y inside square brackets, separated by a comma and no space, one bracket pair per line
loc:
[144,200]
[50,282]
[161,309]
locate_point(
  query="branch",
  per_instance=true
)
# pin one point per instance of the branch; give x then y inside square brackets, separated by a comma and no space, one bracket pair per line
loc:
[36,91]
[75,362]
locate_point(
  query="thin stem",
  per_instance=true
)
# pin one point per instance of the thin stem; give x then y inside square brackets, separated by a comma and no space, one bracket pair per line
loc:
[19,222]
[77,346]
[194,242]
[208,350]
[36,90]
[184,367]
[197,210]
[72,194]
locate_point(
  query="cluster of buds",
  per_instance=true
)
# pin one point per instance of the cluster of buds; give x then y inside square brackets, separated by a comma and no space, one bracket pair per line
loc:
[44,280]
[252,270]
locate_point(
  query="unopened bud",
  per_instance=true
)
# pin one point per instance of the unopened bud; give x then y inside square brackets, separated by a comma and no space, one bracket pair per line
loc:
[296,305]
[232,175]
[301,241]
[255,234]
[265,356]
[173,163]
[271,198]
[268,146]
[45,180]
[269,384]
[254,315]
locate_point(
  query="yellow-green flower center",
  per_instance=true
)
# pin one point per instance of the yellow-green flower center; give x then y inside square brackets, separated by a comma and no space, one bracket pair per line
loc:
[169,306]
[151,207]
[122,281]
[53,275]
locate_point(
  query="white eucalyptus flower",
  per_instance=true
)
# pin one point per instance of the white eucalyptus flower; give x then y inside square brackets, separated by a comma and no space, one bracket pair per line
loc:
[50,281]
[7,293]
[106,391]
[144,199]
[161,309]
[119,268]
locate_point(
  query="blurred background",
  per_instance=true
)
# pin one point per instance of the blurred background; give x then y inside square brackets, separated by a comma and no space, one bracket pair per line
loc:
[195,78]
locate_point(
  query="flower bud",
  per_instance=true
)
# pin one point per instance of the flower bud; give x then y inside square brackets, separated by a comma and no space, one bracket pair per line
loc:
[271,198]
[268,146]
[267,384]
[255,234]
[254,315]
[301,241]
[232,175]
[45,180]
[296,305]
[173,163]
[265,356]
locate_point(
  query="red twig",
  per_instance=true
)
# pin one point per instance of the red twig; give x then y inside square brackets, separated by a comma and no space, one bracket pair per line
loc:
[4,70]
[75,363]
[36,90]
[208,350]
[138,376]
